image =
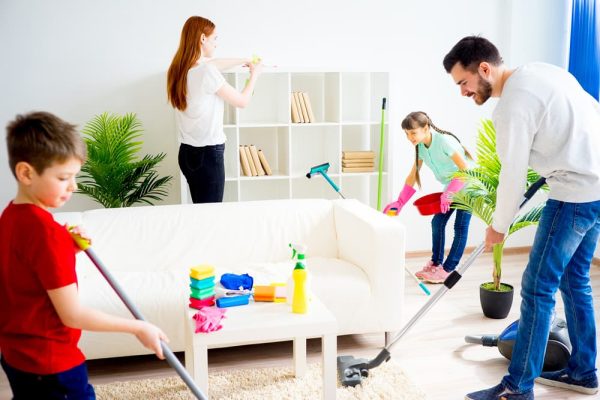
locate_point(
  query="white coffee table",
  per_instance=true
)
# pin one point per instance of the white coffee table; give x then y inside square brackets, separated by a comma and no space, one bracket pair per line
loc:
[263,323]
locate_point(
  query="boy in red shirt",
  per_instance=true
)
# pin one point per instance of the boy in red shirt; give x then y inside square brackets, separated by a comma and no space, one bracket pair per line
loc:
[42,317]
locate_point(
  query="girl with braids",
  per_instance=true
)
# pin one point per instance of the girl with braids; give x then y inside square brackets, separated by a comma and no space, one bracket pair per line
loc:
[441,151]
[197,90]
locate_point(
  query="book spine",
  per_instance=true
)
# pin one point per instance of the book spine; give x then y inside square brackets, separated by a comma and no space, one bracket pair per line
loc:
[250,162]
[259,169]
[244,162]
[295,117]
[264,162]
[299,107]
[303,107]
[309,110]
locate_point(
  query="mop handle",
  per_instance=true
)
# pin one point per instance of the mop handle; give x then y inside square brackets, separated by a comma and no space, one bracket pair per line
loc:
[169,356]
[380,173]
[456,275]
[332,183]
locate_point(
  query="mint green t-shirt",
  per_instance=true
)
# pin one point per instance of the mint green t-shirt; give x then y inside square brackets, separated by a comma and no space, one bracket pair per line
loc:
[438,156]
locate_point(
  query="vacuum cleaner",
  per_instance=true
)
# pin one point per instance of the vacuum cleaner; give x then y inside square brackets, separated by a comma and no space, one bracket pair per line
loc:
[352,370]
[84,245]
[558,349]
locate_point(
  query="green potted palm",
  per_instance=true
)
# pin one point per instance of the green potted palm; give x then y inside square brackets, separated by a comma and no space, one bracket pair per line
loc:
[113,174]
[479,198]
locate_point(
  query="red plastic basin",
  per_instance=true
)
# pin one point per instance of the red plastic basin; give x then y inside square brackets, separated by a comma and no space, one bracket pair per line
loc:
[429,204]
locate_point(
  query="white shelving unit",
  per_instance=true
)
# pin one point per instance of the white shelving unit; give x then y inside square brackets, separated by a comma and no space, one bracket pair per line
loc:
[347,108]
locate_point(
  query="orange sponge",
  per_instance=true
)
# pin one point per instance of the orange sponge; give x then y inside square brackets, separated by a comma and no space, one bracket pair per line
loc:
[264,293]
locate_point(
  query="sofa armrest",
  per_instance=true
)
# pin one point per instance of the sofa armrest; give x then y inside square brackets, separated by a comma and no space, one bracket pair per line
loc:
[375,243]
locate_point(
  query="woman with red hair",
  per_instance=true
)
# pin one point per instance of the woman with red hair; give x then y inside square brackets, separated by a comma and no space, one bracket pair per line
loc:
[198,91]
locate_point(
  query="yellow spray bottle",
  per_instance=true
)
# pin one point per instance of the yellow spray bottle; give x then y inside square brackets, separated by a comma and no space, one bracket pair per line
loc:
[299,277]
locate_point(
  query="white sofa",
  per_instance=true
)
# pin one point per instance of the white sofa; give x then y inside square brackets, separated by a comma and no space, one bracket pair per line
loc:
[355,257]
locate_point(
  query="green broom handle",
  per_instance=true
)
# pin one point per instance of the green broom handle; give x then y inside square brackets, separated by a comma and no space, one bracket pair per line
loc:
[380,174]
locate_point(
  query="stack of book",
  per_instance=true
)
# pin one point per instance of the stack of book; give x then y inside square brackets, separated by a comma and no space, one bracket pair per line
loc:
[301,108]
[253,161]
[358,161]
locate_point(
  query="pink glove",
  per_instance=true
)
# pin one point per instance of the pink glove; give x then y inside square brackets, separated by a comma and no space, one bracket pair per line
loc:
[208,319]
[405,195]
[446,199]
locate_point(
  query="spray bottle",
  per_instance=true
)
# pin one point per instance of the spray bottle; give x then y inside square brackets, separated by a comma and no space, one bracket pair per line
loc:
[298,284]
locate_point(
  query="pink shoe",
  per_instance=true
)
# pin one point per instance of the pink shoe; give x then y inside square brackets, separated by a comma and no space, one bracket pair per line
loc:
[428,267]
[436,275]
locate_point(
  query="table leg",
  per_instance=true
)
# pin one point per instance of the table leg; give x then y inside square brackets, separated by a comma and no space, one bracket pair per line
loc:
[329,352]
[189,348]
[200,375]
[300,356]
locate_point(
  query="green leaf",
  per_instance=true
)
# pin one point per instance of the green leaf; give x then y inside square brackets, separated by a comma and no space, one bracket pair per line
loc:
[114,175]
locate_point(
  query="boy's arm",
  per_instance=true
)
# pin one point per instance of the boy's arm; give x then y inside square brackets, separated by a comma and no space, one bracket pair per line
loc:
[74,315]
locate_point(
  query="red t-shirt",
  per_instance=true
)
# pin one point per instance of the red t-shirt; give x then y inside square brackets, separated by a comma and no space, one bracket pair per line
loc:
[36,254]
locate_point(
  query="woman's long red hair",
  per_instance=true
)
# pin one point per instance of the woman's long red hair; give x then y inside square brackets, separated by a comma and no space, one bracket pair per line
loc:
[187,54]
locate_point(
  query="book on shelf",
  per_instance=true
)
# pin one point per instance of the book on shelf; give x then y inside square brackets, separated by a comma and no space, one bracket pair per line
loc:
[295,115]
[298,106]
[264,162]
[254,153]
[358,169]
[358,154]
[309,111]
[250,162]
[303,107]
[244,162]
[358,163]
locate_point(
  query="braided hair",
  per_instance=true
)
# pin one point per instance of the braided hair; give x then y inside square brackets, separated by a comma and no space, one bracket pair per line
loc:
[419,119]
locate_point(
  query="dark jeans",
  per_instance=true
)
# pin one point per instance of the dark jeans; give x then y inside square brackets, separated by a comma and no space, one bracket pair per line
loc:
[71,384]
[204,170]
[438,236]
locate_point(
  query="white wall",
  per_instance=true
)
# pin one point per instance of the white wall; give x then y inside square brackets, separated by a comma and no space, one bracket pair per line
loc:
[81,58]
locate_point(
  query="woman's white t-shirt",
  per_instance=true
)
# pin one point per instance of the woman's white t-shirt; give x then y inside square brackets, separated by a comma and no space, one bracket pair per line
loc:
[201,123]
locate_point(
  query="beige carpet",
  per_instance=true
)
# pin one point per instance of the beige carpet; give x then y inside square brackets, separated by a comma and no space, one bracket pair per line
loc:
[384,382]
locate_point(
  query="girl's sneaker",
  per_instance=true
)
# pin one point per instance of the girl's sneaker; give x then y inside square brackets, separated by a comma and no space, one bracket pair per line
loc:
[435,275]
[428,267]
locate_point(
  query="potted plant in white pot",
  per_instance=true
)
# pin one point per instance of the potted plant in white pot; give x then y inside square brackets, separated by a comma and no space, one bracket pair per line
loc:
[479,198]
[113,174]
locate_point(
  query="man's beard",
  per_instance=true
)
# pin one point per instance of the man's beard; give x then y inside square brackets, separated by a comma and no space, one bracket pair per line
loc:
[483,92]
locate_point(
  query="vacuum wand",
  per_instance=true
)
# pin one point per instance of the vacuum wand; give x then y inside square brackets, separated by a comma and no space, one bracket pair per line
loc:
[322,170]
[351,370]
[169,356]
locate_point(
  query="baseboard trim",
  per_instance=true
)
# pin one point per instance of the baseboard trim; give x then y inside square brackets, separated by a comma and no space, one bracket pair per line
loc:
[469,249]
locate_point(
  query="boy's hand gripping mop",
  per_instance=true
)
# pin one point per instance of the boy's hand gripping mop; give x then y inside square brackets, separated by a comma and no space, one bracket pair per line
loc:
[351,370]
[84,245]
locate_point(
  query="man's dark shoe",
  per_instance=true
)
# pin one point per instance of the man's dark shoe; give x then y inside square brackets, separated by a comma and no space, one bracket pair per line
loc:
[561,379]
[499,392]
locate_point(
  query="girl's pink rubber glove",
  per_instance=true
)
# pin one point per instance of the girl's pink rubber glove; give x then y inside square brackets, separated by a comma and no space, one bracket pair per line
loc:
[405,195]
[446,199]
[208,319]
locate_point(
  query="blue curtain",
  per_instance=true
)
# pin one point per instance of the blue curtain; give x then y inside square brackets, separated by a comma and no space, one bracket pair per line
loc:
[584,54]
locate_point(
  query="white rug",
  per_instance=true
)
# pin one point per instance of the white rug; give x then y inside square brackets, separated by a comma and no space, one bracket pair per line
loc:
[384,382]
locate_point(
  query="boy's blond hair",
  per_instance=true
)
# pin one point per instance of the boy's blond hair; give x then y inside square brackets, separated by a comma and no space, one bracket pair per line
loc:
[41,139]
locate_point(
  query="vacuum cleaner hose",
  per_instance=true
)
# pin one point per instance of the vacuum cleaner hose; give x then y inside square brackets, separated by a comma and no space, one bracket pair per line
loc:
[485,340]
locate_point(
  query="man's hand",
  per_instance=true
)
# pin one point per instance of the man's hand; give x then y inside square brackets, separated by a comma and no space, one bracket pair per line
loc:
[492,237]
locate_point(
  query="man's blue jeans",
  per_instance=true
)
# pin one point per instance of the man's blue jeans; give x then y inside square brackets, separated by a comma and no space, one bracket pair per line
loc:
[561,256]
[438,237]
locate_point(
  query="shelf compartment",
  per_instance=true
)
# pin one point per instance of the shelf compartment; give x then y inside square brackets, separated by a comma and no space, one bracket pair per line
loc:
[323,91]
[273,141]
[264,189]
[270,103]
[355,96]
[357,186]
[231,154]
[314,145]
[231,192]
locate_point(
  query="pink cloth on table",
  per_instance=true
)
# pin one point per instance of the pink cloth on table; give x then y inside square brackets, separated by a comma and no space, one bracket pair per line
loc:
[208,319]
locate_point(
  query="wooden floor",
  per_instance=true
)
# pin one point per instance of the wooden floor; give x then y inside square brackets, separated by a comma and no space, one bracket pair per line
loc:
[433,354]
